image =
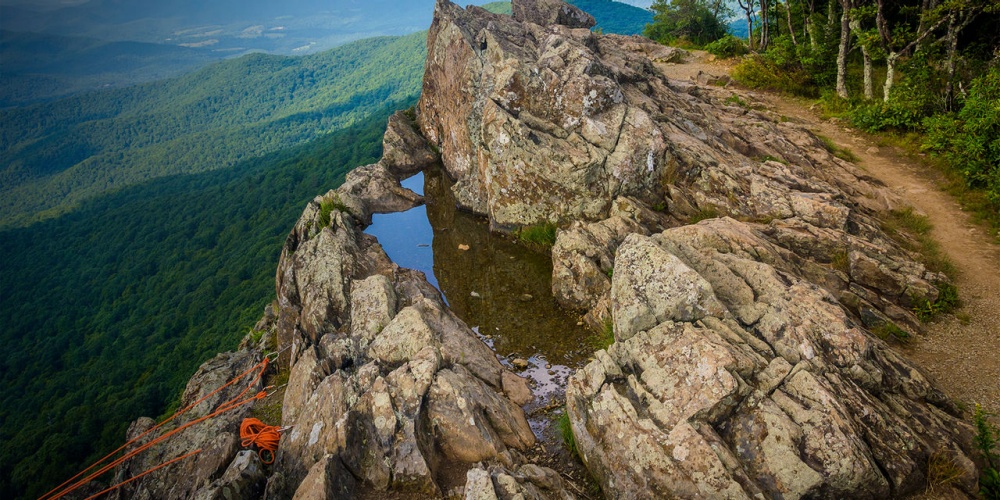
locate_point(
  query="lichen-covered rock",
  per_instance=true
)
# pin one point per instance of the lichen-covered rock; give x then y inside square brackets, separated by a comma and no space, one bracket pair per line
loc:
[214,468]
[528,482]
[244,478]
[404,151]
[539,122]
[548,12]
[755,381]
[386,386]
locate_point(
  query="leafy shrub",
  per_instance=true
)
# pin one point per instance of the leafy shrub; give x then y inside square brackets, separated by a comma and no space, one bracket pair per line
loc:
[759,72]
[692,20]
[970,140]
[727,46]
[985,440]
[911,101]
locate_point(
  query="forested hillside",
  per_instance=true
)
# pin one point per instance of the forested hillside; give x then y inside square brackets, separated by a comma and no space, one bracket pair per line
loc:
[39,67]
[108,310]
[616,17]
[59,154]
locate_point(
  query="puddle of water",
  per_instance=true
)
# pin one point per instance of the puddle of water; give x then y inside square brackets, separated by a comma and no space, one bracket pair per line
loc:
[406,236]
[499,288]
[502,290]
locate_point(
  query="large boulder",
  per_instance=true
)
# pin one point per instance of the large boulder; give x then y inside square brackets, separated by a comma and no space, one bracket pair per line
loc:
[548,12]
[732,377]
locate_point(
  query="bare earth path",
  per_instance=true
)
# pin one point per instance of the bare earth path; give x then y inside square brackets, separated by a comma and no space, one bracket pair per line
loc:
[963,358]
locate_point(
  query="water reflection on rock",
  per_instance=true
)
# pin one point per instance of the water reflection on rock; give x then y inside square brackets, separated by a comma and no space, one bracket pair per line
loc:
[499,288]
[497,285]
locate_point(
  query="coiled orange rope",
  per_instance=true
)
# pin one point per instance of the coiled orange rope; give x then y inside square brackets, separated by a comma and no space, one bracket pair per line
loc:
[266,437]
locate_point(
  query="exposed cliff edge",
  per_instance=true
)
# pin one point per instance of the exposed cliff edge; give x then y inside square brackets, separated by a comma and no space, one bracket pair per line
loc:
[744,363]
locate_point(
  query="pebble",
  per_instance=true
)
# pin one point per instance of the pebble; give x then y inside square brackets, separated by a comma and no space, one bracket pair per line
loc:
[476,295]
[526,297]
[520,363]
[463,247]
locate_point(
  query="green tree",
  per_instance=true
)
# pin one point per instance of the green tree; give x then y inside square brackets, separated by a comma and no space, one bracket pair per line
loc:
[697,21]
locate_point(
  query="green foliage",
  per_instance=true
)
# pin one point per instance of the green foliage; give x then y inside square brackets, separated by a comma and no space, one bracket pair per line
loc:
[541,235]
[565,429]
[889,330]
[760,72]
[604,338]
[499,8]
[727,47]
[695,21]
[970,140]
[107,311]
[616,17]
[62,153]
[327,206]
[946,302]
[704,213]
[987,436]
[842,153]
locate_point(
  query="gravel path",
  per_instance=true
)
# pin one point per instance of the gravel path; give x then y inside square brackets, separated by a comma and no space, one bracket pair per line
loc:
[962,357]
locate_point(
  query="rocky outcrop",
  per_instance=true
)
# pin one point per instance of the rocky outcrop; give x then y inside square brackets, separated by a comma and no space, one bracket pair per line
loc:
[743,364]
[732,376]
[538,122]
[388,391]
[549,12]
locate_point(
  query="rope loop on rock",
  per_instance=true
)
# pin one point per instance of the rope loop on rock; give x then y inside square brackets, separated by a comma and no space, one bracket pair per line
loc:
[266,437]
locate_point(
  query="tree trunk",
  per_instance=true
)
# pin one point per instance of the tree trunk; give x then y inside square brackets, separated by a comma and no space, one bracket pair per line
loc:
[788,13]
[949,90]
[765,24]
[856,28]
[869,91]
[890,74]
[845,38]
[748,10]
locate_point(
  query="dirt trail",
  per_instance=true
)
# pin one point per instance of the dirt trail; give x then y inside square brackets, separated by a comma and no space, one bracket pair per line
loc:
[963,358]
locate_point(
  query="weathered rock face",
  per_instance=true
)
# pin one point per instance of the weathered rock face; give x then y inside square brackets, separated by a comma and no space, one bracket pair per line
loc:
[537,123]
[388,390]
[549,12]
[731,376]
[387,387]
[193,477]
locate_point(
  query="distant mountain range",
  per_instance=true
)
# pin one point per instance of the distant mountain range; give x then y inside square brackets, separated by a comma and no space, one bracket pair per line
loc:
[58,154]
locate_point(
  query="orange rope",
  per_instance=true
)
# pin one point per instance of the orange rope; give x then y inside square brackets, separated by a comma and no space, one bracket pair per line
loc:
[224,407]
[266,437]
[150,471]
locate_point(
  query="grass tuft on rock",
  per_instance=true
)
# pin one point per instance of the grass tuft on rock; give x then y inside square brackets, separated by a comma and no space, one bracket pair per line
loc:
[566,431]
[326,208]
[538,235]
